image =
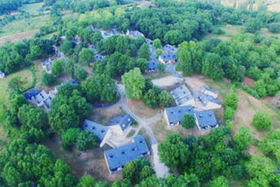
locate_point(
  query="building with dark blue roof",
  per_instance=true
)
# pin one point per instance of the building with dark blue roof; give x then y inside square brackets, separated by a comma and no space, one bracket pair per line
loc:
[73,81]
[152,65]
[174,115]
[99,57]
[95,128]
[182,96]
[209,102]
[32,93]
[124,121]
[205,120]
[207,91]
[168,58]
[116,158]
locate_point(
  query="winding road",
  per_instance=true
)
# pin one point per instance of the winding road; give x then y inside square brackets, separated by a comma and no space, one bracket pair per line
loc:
[161,170]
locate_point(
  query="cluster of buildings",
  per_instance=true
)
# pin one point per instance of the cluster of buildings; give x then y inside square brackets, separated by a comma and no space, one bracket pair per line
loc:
[114,135]
[200,107]
[40,98]
[43,98]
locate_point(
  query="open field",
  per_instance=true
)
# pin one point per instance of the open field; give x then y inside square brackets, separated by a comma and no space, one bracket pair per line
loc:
[25,25]
[230,31]
[248,106]
[265,33]
[104,115]
[139,108]
[13,38]
[33,8]
[161,130]
[91,162]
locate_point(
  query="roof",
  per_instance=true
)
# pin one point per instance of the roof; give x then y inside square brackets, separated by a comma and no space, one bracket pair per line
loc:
[42,96]
[181,95]
[176,114]
[47,102]
[206,118]
[168,57]
[169,48]
[95,128]
[73,81]
[119,156]
[99,57]
[31,93]
[2,72]
[152,64]
[136,34]
[93,47]
[123,120]
[204,98]
[204,88]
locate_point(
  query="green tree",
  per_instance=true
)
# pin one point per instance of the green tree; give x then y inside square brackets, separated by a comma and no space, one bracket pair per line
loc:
[86,140]
[253,25]
[189,56]
[57,67]
[220,181]
[173,37]
[122,183]
[157,43]
[86,56]
[134,84]
[80,73]
[150,99]
[174,152]
[142,63]
[188,121]
[165,99]
[229,113]
[259,86]
[262,120]
[244,138]
[86,181]
[144,51]
[67,47]
[48,79]
[69,138]
[231,100]
[158,52]
[270,145]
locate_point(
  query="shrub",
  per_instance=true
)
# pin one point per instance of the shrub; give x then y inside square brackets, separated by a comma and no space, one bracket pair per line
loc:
[229,113]
[188,121]
[262,120]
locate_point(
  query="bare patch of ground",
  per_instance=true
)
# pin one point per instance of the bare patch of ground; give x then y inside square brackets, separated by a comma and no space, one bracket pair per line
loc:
[248,106]
[138,108]
[157,75]
[91,162]
[230,31]
[248,81]
[162,130]
[167,81]
[104,115]
[253,150]
[17,37]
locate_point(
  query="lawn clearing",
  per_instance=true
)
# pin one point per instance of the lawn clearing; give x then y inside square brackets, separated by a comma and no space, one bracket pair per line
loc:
[32,8]
[14,38]
[230,31]
[168,81]
[104,115]
[162,130]
[25,25]
[248,106]
[265,33]
[139,109]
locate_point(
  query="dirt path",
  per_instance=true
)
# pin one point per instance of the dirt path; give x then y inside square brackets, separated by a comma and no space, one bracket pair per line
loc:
[160,169]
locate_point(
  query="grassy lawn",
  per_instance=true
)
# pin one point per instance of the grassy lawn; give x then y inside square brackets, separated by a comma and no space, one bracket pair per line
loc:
[248,106]
[32,8]
[25,25]
[230,31]
[139,108]
[162,130]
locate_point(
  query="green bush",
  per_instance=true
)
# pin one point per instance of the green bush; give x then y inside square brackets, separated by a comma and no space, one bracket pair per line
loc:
[262,120]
